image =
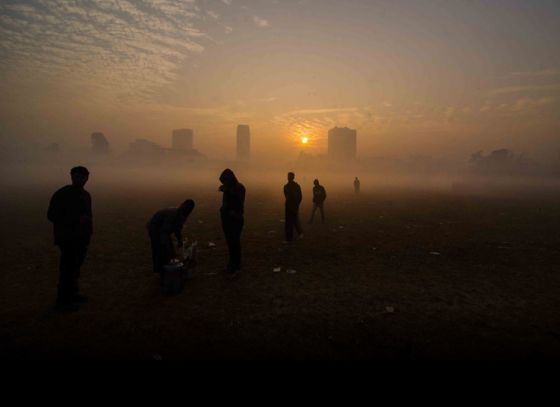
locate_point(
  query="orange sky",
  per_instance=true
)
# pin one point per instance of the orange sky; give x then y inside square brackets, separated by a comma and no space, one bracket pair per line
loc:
[413,77]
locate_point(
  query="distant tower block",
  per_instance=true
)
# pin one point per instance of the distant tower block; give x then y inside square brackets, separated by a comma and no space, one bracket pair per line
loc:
[342,144]
[99,143]
[243,142]
[182,139]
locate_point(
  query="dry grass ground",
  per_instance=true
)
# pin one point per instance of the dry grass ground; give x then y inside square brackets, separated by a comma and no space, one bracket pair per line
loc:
[491,292]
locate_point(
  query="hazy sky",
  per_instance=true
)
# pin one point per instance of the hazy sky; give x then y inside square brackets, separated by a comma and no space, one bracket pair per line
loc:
[426,77]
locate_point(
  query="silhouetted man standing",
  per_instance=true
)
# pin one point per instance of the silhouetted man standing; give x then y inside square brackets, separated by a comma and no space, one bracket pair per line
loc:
[70,212]
[162,225]
[356,185]
[319,196]
[292,192]
[232,217]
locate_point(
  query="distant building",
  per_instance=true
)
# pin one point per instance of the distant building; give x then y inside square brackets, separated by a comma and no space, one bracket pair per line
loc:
[342,144]
[182,139]
[99,143]
[145,147]
[243,142]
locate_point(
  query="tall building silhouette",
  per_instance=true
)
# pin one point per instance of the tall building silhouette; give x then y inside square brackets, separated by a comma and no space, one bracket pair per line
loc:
[243,142]
[342,144]
[99,143]
[182,139]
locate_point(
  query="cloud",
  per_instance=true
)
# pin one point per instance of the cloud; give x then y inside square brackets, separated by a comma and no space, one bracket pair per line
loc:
[522,89]
[261,22]
[123,48]
[536,74]
[213,14]
[524,104]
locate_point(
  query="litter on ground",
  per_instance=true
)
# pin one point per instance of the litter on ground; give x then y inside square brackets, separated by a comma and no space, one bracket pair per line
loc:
[290,271]
[211,244]
[276,269]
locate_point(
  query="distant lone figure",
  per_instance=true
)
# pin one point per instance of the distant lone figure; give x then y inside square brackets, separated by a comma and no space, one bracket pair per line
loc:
[162,225]
[232,217]
[356,185]
[319,196]
[292,192]
[70,212]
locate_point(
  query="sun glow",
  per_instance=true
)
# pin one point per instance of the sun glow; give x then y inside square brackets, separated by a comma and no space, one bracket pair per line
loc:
[304,140]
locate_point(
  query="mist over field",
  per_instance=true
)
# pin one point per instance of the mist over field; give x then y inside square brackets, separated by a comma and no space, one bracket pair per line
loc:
[448,114]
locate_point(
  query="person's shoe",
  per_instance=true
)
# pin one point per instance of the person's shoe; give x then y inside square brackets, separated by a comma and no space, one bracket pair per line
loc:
[80,299]
[66,307]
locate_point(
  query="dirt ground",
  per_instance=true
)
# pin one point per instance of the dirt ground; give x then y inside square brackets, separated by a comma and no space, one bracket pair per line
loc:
[392,274]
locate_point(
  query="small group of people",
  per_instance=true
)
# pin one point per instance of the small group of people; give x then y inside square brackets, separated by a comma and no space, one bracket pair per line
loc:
[293,195]
[168,222]
[71,214]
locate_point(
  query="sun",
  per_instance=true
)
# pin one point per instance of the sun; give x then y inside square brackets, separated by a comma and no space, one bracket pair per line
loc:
[304,140]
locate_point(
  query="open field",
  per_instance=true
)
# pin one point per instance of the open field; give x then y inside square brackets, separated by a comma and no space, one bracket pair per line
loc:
[468,276]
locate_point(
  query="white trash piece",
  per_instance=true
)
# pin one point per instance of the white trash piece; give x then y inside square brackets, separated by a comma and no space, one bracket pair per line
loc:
[290,271]
[390,309]
[435,253]
[277,269]
[211,244]
[189,252]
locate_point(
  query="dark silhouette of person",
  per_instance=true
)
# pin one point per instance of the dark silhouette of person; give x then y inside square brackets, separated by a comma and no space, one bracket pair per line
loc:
[163,224]
[292,192]
[356,185]
[232,217]
[319,196]
[70,213]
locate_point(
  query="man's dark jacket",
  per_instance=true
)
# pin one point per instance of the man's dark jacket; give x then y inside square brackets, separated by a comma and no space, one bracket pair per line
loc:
[292,192]
[319,194]
[164,223]
[70,212]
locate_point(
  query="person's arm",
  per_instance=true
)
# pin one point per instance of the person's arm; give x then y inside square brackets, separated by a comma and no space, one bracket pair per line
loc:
[299,195]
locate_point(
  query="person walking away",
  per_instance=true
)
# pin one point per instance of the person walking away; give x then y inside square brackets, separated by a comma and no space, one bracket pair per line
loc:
[232,218]
[292,192]
[71,215]
[162,225]
[356,185]
[319,196]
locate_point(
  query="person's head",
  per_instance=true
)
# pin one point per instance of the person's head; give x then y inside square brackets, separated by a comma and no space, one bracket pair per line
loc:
[228,177]
[186,208]
[316,182]
[79,175]
[291,176]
